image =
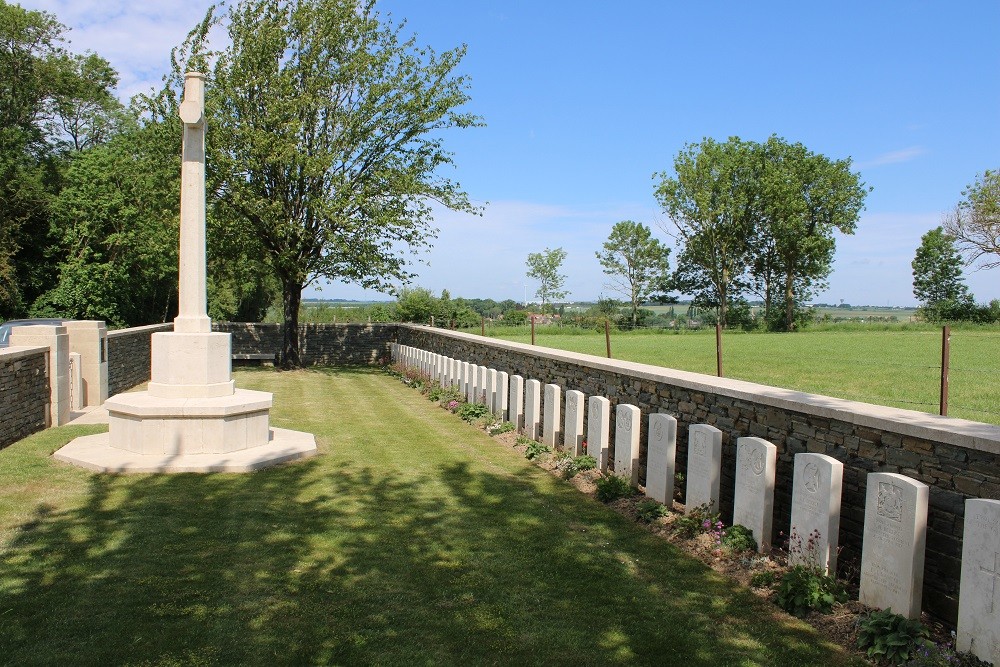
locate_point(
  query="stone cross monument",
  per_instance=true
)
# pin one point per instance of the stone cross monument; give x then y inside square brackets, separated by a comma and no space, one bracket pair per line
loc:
[192,417]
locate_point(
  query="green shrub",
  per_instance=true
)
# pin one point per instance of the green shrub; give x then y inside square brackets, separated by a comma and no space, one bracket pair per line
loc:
[584,462]
[891,639]
[650,510]
[502,427]
[570,466]
[738,538]
[804,589]
[523,440]
[535,450]
[700,519]
[611,487]
[470,412]
[762,579]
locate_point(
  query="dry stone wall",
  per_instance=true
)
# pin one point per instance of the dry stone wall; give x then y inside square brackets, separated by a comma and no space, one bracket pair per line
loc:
[24,386]
[958,459]
[319,344]
[130,356]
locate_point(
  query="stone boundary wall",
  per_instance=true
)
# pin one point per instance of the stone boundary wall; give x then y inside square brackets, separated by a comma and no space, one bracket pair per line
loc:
[958,459]
[130,356]
[320,344]
[24,386]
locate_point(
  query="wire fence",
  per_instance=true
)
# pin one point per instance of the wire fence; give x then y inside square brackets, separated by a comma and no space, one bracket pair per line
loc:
[952,371]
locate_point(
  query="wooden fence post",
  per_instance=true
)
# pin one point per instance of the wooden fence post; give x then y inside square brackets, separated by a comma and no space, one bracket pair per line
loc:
[532,329]
[718,348]
[945,354]
[607,336]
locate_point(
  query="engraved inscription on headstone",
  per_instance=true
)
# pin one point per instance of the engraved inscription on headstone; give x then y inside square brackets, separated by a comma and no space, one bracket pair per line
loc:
[892,555]
[573,435]
[815,526]
[661,449]
[753,502]
[979,594]
[627,443]
[598,430]
[703,468]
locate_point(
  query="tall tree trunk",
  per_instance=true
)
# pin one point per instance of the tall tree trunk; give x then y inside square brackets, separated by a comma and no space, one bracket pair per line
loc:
[789,300]
[291,298]
[723,297]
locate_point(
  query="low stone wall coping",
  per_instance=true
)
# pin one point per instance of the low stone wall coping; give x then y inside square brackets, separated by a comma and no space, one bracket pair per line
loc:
[166,326]
[950,430]
[20,351]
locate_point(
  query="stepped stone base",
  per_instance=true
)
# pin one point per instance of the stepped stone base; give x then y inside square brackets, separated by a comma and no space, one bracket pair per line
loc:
[94,452]
[143,423]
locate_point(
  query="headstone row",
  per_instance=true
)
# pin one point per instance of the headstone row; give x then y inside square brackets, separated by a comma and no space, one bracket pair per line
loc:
[896,506]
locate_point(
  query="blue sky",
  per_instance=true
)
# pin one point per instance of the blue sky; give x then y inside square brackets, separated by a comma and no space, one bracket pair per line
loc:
[585,101]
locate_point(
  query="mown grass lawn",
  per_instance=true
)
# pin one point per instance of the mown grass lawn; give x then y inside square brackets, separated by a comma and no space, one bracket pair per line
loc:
[412,539]
[900,367]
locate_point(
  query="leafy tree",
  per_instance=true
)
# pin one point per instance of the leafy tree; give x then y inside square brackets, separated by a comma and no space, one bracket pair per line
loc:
[710,200]
[637,263]
[323,141]
[757,216]
[39,84]
[975,223]
[803,197]
[544,267]
[117,222]
[937,270]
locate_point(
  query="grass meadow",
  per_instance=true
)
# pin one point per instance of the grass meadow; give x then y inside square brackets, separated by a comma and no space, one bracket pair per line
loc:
[412,539]
[891,365]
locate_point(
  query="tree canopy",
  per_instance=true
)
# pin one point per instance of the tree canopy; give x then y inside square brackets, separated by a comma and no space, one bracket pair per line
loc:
[975,222]
[937,270]
[545,267]
[324,142]
[51,101]
[757,217]
[636,262]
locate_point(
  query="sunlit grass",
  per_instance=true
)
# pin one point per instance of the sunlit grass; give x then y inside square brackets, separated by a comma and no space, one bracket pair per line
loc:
[410,539]
[900,367]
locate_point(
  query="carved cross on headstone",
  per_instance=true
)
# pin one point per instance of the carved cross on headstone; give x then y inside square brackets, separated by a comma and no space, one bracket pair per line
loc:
[994,575]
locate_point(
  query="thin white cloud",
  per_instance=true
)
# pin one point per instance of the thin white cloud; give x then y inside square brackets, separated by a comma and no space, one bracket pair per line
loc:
[893,157]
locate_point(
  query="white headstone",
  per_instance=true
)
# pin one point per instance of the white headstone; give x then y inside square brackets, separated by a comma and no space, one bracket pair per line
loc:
[979,594]
[573,433]
[599,430]
[703,467]
[466,377]
[491,389]
[482,389]
[627,442]
[892,554]
[500,395]
[532,408]
[815,528]
[661,449]
[552,409]
[472,384]
[753,502]
[515,403]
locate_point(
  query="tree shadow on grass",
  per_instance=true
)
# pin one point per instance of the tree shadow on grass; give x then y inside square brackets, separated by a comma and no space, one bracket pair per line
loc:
[326,563]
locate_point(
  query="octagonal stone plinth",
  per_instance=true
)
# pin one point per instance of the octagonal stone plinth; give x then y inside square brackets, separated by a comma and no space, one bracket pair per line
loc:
[147,424]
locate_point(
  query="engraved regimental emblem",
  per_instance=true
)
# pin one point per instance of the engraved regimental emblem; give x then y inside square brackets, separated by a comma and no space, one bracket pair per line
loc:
[756,460]
[700,444]
[890,501]
[658,430]
[810,477]
[624,422]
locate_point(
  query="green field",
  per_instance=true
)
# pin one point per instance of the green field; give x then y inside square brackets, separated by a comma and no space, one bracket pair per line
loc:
[412,539]
[900,367]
